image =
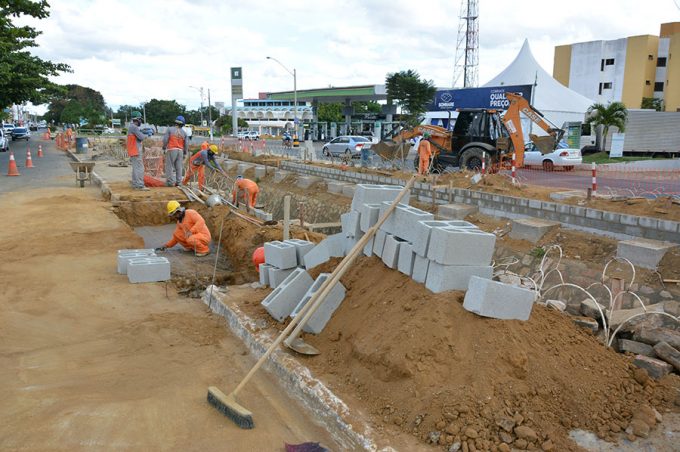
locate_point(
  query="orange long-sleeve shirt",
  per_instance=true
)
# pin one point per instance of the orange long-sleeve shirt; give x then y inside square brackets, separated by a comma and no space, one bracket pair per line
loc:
[245,184]
[192,224]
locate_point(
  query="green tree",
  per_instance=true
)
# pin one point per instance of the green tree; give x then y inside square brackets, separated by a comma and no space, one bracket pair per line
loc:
[74,102]
[124,112]
[413,95]
[330,112]
[370,106]
[652,103]
[223,123]
[613,114]
[23,77]
[163,112]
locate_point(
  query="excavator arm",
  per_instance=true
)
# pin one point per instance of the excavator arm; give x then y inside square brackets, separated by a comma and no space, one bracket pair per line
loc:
[511,119]
[389,149]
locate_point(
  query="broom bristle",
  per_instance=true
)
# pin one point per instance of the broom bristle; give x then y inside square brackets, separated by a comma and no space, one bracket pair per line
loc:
[230,408]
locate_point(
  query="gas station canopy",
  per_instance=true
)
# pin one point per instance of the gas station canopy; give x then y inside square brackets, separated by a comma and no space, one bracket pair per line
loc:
[334,94]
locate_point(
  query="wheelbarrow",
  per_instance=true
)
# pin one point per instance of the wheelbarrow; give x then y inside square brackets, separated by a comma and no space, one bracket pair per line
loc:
[83,172]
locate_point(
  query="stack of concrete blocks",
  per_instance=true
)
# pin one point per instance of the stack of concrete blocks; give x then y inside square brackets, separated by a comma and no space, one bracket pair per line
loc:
[335,186]
[281,258]
[148,269]
[281,302]
[331,246]
[498,300]
[124,257]
[317,322]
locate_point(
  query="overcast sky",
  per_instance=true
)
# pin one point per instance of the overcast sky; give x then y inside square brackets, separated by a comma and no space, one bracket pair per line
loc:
[132,51]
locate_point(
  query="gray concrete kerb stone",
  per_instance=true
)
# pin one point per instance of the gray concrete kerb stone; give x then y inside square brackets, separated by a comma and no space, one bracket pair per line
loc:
[531,229]
[643,253]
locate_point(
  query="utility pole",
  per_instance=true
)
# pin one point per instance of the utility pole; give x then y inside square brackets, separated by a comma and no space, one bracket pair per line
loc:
[210,116]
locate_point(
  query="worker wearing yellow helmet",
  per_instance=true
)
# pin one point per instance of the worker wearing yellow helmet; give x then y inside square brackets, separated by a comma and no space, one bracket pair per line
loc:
[191,231]
[200,160]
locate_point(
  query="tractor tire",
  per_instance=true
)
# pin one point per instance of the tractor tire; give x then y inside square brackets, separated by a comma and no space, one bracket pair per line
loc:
[472,159]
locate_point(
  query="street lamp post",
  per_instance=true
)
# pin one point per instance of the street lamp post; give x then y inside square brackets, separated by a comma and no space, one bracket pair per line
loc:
[294,74]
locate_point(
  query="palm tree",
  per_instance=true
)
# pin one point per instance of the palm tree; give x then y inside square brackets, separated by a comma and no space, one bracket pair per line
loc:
[613,114]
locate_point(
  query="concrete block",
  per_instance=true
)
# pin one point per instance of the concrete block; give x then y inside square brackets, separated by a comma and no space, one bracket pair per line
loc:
[351,223]
[497,300]
[562,195]
[636,348]
[335,186]
[390,253]
[307,181]
[668,354]
[643,253]
[230,165]
[456,211]
[404,220]
[278,275]
[241,168]
[349,243]
[316,256]
[405,262]
[424,229]
[379,242]
[420,267]
[587,323]
[531,229]
[376,194]
[280,175]
[460,246]
[260,172]
[629,220]
[280,254]
[370,213]
[264,274]
[124,257]
[368,248]
[317,322]
[654,367]
[282,300]
[348,190]
[302,247]
[335,244]
[441,278]
[148,269]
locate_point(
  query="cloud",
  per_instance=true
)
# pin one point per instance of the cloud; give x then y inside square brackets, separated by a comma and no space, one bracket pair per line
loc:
[133,51]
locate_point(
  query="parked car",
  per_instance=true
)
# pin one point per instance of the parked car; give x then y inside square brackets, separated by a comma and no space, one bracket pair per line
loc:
[347,145]
[4,141]
[8,127]
[20,133]
[248,135]
[564,158]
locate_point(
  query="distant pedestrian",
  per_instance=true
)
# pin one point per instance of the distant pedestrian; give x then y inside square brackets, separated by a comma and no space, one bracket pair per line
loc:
[176,146]
[134,149]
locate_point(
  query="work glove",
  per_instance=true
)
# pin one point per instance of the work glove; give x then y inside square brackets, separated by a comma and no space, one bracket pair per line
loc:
[160,249]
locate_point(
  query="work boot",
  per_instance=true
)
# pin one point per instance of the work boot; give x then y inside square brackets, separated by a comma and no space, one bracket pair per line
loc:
[202,254]
[142,188]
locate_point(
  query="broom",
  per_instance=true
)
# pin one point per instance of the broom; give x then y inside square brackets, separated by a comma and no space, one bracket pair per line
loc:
[226,403]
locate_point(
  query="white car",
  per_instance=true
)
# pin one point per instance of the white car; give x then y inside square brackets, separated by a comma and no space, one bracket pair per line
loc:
[564,158]
[249,135]
[4,141]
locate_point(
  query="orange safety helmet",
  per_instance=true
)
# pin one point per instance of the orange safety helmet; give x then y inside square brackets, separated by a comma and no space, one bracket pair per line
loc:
[258,258]
[204,145]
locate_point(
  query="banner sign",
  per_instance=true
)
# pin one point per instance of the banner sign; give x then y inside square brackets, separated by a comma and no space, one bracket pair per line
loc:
[485,97]
[236,82]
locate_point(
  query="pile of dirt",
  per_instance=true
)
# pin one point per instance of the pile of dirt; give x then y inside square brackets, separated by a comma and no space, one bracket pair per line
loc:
[419,362]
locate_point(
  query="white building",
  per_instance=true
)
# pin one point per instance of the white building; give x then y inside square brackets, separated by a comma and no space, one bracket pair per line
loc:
[272,116]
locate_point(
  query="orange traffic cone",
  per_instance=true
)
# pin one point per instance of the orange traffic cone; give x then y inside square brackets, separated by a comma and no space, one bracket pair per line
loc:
[29,162]
[12,170]
[40,153]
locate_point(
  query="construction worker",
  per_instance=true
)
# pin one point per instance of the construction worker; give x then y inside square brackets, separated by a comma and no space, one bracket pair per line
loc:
[201,159]
[134,149]
[191,231]
[176,146]
[425,153]
[245,189]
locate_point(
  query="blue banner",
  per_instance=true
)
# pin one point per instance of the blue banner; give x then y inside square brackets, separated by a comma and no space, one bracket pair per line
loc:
[487,97]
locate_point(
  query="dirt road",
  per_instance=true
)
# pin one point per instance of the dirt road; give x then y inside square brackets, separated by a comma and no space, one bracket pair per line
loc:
[88,360]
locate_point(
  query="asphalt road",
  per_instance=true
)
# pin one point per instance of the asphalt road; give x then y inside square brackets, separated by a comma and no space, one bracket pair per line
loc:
[52,170]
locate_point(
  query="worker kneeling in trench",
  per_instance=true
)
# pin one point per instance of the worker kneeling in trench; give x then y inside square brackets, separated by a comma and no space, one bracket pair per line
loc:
[191,231]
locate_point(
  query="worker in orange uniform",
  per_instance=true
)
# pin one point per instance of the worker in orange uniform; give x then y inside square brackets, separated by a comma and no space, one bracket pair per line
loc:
[425,153]
[200,160]
[191,231]
[247,189]
[175,146]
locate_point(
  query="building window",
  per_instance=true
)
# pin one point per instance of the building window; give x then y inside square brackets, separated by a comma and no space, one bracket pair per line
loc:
[609,62]
[601,65]
[658,86]
[599,90]
[648,83]
[607,85]
[661,62]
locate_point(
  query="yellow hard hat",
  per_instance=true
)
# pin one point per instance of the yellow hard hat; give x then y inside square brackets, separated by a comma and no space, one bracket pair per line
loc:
[172,207]
[214,149]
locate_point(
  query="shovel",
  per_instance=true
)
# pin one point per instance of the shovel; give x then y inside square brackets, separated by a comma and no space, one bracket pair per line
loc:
[294,341]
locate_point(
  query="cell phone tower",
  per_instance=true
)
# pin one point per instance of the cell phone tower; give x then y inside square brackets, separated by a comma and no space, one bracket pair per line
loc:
[466,65]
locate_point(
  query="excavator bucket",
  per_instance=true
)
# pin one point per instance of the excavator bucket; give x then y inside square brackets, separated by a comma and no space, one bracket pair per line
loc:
[545,144]
[389,150]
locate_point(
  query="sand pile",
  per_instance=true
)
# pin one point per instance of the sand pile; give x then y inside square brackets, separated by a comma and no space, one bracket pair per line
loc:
[419,362]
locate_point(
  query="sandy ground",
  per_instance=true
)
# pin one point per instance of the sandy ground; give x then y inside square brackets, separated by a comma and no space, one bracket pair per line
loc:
[88,360]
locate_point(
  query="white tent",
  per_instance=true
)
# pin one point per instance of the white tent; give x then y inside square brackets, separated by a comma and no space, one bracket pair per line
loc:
[557,102]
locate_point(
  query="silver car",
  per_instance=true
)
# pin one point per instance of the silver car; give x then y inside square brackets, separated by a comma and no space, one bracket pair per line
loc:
[346,145]
[4,141]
